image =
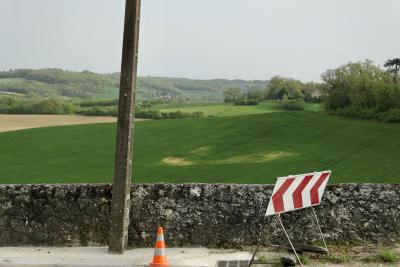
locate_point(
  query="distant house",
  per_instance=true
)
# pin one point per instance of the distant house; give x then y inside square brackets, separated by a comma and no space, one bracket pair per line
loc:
[315,93]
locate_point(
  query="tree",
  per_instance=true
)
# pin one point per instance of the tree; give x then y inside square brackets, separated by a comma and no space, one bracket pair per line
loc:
[354,84]
[232,94]
[312,91]
[393,66]
[255,95]
[281,86]
[363,90]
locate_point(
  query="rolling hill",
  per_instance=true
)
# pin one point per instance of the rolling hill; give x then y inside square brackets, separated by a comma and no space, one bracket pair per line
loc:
[89,85]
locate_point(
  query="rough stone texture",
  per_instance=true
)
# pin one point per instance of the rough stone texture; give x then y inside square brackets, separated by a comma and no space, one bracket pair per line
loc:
[211,215]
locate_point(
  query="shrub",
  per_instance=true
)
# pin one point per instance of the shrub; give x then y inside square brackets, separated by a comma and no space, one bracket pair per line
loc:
[99,111]
[246,102]
[256,95]
[304,259]
[150,103]
[175,115]
[36,106]
[292,104]
[48,106]
[156,114]
[387,97]
[388,256]
[99,103]
[392,115]
[180,115]
[148,113]
[356,111]
[339,258]
[69,108]
[198,114]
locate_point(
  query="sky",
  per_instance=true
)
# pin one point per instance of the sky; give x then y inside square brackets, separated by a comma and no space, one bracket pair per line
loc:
[202,39]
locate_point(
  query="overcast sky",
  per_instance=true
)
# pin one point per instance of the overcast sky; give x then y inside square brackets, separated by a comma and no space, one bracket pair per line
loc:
[248,39]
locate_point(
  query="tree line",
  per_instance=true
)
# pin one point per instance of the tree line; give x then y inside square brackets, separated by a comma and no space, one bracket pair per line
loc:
[290,93]
[357,89]
[364,90]
[58,106]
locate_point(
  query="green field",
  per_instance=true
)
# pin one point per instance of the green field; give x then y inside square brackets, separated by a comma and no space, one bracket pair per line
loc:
[234,149]
[228,109]
[7,80]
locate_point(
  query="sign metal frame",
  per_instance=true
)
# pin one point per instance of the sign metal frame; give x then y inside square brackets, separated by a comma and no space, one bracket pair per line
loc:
[278,214]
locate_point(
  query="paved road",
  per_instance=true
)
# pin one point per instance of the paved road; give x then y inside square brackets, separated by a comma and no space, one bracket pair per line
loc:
[95,256]
[99,257]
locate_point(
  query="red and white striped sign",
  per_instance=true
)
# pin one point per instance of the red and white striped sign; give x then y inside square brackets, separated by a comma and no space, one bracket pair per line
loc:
[297,192]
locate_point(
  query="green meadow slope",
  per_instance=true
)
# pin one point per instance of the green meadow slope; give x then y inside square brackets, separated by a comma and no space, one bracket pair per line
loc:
[238,149]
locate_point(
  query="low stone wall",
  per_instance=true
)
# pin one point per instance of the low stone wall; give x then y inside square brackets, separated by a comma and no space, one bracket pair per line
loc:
[211,215]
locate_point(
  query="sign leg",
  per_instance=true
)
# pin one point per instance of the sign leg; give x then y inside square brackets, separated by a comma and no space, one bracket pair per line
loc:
[260,241]
[319,228]
[254,255]
[291,244]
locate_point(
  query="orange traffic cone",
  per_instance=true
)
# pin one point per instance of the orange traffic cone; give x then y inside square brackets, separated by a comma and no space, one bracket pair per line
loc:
[160,257]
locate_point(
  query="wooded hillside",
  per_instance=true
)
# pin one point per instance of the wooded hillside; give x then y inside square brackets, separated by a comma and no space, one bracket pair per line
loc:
[87,85]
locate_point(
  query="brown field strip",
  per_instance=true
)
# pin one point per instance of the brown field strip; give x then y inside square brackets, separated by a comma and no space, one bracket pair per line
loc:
[19,122]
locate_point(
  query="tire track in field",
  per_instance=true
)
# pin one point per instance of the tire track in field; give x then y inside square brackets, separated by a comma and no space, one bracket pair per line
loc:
[353,151]
[323,132]
[388,172]
[395,168]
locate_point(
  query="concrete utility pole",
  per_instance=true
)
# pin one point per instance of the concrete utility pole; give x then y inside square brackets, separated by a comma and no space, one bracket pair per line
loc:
[124,146]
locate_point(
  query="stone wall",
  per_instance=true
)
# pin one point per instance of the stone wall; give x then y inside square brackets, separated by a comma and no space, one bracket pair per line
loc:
[211,215]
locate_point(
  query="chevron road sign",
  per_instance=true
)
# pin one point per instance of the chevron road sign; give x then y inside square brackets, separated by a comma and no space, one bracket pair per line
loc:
[297,192]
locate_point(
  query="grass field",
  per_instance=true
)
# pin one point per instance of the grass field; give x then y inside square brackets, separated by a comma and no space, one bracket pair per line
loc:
[237,149]
[7,80]
[108,93]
